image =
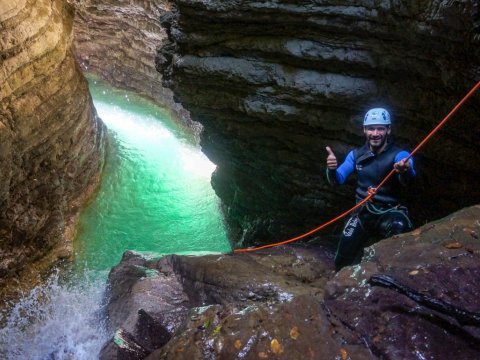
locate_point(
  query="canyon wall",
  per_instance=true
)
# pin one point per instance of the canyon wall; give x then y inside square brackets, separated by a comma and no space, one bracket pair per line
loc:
[275,82]
[51,140]
[118,40]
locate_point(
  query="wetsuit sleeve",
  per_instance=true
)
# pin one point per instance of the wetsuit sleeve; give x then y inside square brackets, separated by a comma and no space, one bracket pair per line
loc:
[402,155]
[405,178]
[341,174]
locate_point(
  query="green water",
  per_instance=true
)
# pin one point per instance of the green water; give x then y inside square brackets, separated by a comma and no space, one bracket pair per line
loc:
[155,195]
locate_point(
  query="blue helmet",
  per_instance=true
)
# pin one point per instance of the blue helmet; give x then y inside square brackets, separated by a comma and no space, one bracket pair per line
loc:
[377,116]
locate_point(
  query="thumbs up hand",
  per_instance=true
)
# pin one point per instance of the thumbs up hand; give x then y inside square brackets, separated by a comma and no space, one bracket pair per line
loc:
[331,159]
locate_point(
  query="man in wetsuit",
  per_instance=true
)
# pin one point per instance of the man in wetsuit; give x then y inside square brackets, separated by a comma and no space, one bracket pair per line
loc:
[383,216]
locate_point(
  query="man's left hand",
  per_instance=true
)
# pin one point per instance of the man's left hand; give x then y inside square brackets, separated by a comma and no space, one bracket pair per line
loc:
[402,166]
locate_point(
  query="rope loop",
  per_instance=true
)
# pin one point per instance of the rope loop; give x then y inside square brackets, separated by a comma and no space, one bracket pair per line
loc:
[372,191]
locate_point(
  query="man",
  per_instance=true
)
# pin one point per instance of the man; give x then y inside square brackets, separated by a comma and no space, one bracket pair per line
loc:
[382,215]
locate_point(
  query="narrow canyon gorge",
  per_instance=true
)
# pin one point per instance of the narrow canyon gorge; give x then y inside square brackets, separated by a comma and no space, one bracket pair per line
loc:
[117,40]
[267,85]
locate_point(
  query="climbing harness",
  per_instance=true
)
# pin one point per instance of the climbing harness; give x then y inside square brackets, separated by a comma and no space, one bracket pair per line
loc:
[372,190]
[397,209]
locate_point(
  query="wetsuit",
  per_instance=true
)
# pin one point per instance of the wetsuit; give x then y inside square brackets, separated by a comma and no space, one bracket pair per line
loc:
[384,216]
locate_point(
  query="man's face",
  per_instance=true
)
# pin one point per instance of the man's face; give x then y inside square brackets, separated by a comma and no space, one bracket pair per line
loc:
[376,135]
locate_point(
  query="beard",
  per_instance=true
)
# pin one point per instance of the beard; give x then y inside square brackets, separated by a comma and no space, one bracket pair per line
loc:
[377,142]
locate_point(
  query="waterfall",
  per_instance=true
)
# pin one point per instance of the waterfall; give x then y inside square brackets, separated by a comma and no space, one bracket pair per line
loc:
[56,320]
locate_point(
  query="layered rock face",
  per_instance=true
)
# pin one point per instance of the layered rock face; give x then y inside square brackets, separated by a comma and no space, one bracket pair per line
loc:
[287,303]
[117,40]
[51,141]
[274,82]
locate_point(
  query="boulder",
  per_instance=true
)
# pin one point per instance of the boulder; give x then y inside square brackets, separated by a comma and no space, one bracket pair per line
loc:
[438,317]
[412,296]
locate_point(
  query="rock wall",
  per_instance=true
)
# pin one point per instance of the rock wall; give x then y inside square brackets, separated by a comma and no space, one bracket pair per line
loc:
[274,82]
[51,141]
[117,40]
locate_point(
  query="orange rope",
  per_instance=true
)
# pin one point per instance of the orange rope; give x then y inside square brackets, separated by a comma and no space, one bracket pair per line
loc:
[372,191]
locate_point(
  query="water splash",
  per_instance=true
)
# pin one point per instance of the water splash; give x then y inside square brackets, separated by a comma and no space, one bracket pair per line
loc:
[55,321]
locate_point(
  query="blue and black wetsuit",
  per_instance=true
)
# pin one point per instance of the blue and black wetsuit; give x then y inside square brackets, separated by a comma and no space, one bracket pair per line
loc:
[384,216]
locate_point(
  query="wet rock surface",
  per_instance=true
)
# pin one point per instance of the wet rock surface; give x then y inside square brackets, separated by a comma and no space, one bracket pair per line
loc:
[439,260]
[51,140]
[208,290]
[274,82]
[117,40]
[287,303]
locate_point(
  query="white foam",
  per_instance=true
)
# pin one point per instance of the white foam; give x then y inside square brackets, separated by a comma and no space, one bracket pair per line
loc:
[55,321]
